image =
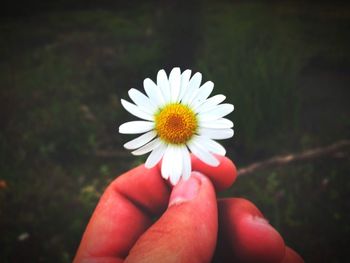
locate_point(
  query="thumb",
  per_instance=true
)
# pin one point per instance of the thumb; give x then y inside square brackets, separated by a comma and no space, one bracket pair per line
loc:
[187,231]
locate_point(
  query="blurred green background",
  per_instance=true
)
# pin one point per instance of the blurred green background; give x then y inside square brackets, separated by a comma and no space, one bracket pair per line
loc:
[65,65]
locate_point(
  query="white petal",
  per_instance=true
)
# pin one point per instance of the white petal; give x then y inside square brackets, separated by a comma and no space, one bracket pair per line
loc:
[140,141]
[142,101]
[163,84]
[167,163]
[185,80]
[153,92]
[186,159]
[210,103]
[176,170]
[132,127]
[203,94]
[203,154]
[210,144]
[216,112]
[216,124]
[216,134]
[135,110]
[156,155]
[148,147]
[193,86]
[175,82]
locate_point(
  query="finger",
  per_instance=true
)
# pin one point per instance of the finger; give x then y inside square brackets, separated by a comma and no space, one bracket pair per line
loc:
[128,207]
[123,213]
[187,230]
[222,176]
[245,235]
[292,257]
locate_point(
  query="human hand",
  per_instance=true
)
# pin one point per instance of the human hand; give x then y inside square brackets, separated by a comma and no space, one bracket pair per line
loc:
[140,218]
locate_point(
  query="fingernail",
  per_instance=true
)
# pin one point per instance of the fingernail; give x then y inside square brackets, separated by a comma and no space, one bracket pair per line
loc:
[260,220]
[185,191]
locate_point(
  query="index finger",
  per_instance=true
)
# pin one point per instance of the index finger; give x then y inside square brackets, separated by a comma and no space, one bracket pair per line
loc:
[123,213]
[222,176]
[128,207]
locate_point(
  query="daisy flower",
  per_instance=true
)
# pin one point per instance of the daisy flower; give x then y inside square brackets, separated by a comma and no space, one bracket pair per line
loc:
[177,118]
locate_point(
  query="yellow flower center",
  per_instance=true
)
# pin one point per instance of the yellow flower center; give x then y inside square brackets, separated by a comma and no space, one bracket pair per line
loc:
[175,123]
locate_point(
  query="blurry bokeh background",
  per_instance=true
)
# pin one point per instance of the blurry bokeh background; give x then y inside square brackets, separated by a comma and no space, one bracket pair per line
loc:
[65,65]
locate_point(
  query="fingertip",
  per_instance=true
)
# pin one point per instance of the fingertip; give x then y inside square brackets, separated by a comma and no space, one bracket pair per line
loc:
[249,234]
[257,239]
[186,190]
[222,176]
[292,257]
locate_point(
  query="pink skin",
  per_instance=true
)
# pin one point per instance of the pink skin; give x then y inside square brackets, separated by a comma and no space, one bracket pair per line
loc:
[140,218]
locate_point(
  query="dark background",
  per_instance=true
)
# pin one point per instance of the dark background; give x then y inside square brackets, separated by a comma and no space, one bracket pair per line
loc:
[65,65]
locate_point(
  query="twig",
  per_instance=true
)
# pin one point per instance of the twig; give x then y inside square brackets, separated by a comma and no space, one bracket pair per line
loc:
[289,158]
[274,161]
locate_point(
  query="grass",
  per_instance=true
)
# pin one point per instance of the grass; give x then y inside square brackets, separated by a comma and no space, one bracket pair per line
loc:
[255,62]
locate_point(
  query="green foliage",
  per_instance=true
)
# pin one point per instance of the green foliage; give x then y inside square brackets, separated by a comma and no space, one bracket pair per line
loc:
[254,59]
